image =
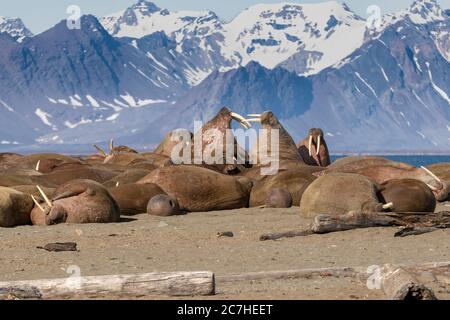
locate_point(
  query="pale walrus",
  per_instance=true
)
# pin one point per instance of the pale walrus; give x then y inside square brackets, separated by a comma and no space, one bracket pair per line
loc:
[314,149]
[198,189]
[340,193]
[164,206]
[15,208]
[382,170]
[409,195]
[133,198]
[78,201]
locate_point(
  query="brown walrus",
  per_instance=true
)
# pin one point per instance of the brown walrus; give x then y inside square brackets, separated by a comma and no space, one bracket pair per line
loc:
[198,189]
[127,177]
[295,181]
[121,155]
[269,152]
[133,198]
[279,198]
[382,170]
[216,145]
[44,162]
[314,149]
[59,177]
[78,201]
[15,208]
[172,140]
[408,195]
[340,193]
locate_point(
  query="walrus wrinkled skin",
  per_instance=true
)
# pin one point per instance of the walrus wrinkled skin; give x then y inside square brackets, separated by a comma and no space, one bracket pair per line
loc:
[279,198]
[286,145]
[133,198]
[15,208]
[340,193]
[295,181]
[171,140]
[314,149]
[199,190]
[408,195]
[163,206]
[127,177]
[45,162]
[382,170]
[221,123]
[76,202]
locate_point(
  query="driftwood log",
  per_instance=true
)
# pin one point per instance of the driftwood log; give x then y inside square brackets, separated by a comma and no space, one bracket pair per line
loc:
[411,223]
[167,284]
[399,284]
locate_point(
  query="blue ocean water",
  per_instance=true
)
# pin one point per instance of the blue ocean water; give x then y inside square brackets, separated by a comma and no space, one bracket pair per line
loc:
[417,160]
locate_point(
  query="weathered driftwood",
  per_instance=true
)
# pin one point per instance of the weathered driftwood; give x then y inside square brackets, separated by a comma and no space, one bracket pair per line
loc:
[414,231]
[418,223]
[293,274]
[167,284]
[399,284]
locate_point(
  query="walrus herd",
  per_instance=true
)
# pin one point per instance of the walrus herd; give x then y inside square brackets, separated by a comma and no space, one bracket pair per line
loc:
[48,189]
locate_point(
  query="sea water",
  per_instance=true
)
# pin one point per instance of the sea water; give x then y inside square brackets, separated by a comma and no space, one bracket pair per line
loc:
[416,160]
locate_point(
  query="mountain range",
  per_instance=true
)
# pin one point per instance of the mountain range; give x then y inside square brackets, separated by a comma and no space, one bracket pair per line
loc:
[138,73]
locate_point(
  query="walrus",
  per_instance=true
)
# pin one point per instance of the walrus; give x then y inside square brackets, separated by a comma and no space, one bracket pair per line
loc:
[158,160]
[164,206]
[15,208]
[382,170]
[216,136]
[314,149]
[340,193]
[199,189]
[133,198]
[295,181]
[171,140]
[127,177]
[44,162]
[76,202]
[278,198]
[269,153]
[442,171]
[121,155]
[408,195]
[59,177]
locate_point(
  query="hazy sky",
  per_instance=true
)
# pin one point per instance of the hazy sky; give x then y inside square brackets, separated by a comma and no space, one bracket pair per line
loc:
[42,14]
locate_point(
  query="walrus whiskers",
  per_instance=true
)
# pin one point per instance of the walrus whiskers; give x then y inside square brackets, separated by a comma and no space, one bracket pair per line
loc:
[37,203]
[431,174]
[47,200]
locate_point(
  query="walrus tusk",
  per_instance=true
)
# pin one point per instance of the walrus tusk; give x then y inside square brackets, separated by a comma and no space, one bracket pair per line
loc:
[253,120]
[318,145]
[431,174]
[117,184]
[37,165]
[310,145]
[37,203]
[389,205]
[111,145]
[254,115]
[100,150]
[432,188]
[240,119]
[47,200]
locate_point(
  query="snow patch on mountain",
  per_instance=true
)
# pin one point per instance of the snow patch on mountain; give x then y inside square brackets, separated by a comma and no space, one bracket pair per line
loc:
[15,28]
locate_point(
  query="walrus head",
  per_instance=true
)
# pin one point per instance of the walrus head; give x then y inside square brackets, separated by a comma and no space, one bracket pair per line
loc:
[209,137]
[439,187]
[163,206]
[53,213]
[317,148]
[113,151]
[286,146]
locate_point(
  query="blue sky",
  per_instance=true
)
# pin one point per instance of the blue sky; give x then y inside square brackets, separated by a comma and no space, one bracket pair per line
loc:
[42,14]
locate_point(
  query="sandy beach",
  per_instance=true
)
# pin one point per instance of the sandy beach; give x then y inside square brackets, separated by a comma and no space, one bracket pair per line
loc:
[143,244]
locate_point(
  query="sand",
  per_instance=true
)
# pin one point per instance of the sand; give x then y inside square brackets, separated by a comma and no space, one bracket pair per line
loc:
[144,244]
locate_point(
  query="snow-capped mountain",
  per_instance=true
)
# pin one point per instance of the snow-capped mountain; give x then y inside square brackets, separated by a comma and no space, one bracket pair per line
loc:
[136,74]
[306,38]
[15,28]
